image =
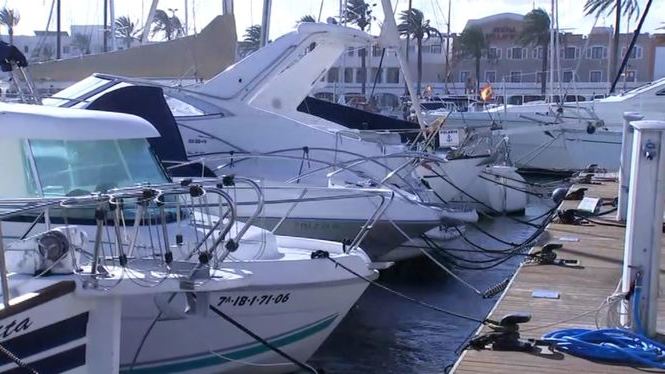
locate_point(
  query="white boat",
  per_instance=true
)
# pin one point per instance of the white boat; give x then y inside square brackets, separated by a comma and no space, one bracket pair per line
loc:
[565,137]
[296,297]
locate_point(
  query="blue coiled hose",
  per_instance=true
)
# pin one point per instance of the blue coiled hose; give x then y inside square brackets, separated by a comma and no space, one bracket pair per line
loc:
[615,346]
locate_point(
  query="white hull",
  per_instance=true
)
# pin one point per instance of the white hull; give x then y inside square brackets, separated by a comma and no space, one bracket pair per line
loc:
[292,300]
[563,147]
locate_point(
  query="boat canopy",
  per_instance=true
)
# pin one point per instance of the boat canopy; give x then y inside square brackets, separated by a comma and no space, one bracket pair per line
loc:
[23,121]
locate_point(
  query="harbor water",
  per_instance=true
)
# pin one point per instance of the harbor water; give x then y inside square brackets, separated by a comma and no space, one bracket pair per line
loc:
[386,334]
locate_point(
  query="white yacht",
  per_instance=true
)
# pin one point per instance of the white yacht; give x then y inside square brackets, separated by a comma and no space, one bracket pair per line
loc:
[565,137]
[296,293]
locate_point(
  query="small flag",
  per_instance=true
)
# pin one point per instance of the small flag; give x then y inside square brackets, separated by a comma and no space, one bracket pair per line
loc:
[486,92]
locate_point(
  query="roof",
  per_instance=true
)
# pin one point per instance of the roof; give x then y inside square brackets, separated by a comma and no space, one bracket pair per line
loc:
[494,18]
[25,121]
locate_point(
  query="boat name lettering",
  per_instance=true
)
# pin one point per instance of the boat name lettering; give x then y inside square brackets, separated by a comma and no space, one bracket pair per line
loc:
[269,299]
[197,141]
[14,327]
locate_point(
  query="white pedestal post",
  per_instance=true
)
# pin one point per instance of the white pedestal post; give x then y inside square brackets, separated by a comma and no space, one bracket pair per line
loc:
[626,153]
[645,221]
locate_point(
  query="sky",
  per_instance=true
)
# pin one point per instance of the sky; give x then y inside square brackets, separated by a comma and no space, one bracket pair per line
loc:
[285,13]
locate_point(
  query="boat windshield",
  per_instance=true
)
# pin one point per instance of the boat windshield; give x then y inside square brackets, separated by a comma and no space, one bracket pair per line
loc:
[70,168]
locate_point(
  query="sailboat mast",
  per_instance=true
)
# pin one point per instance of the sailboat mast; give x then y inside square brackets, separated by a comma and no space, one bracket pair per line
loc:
[551,51]
[106,26]
[186,17]
[58,42]
[447,72]
[112,22]
[148,21]
[265,22]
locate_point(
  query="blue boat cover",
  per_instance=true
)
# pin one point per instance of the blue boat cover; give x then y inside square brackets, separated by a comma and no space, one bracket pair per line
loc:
[149,103]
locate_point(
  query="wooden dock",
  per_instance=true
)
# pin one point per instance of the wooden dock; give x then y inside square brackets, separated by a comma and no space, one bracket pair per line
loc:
[599,249]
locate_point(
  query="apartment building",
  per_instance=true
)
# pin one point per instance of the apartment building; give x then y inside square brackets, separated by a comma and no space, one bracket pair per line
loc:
[509,66]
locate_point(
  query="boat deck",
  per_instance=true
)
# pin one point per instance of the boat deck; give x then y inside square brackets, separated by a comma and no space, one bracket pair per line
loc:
[582,290]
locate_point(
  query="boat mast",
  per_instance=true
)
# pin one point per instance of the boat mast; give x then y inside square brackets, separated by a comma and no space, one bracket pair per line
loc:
[551,77]
[227,6]
[186,17]
[265,22]
[105,28]
[148,21]
[58,41]
[447,72]
[112,21]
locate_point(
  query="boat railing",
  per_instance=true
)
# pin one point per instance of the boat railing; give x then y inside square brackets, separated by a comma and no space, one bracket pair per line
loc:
[131,224]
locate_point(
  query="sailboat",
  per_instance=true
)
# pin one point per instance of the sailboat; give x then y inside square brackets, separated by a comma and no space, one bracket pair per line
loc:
[294,300]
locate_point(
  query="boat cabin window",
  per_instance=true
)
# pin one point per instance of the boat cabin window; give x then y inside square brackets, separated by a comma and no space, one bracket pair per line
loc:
[70,168]
[17,180]
[180,108]
[661,92]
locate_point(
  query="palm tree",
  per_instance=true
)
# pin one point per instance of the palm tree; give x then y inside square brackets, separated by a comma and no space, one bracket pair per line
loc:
[125,29]
[472,44]
[359,13]
[414,25]
[169,25]
[251,41]
[536,32]
[306,19]
[598,7]
[9,18]
[82,43]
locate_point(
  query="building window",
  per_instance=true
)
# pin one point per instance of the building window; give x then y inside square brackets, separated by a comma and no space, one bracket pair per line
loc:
[349,52]
[374,73]
[348,75]
[464,76]
[568,76]
[426,49]
[493,53]
[570,53]
[516,53]
[630,76]
[537,53]
[65,49]
[490,76]
[597,53]
[392,75]
[595,76]
[360,75]
[376,51]
[436,49]
[635,53]
[333,75]
[515,76]
[540,76]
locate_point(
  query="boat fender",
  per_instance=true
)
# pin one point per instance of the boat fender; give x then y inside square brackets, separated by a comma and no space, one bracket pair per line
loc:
[559,194]
[590,128]
[320,254]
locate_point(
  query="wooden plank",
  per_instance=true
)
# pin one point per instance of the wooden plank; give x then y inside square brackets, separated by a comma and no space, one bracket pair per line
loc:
[599,248]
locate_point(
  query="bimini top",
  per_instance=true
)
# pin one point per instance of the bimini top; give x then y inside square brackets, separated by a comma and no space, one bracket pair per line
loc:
[25,121]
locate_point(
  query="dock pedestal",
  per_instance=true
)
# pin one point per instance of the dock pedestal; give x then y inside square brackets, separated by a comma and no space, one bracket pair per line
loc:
[644,224]
[626,153]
